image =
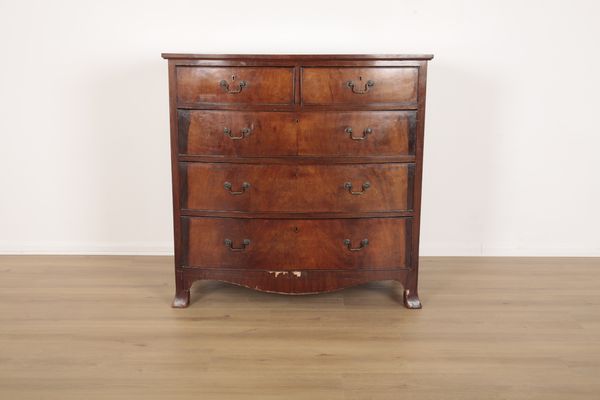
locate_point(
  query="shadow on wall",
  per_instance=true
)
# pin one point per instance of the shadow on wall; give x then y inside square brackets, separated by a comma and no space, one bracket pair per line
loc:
[130,149]
[460,167]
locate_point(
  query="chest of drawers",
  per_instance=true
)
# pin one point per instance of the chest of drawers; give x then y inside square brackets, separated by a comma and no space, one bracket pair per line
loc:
[297,174]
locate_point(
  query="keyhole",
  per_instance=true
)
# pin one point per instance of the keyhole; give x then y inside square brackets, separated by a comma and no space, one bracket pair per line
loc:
[296,229]
[233,77]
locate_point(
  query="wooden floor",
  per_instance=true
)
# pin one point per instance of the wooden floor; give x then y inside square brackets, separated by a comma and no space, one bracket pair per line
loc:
[491,328]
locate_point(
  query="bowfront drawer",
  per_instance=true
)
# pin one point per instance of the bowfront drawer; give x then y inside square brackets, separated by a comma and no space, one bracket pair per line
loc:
[289,244]
[237,133]
[360,133]
[250,85]
[328,133]
[297,188]
[359,86]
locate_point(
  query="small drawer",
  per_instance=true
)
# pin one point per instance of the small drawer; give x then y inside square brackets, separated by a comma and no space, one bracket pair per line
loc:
[297,188]
[293,245]
[360,86]
[237,133]
[360,133]
[252,85]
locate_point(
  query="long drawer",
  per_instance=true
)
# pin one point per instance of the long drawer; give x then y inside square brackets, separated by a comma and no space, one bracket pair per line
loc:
[289,244]
[297,188]
[329,133]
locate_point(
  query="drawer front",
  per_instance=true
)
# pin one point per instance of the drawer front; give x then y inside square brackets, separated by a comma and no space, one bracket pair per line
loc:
[256,85]
[297,188]
[237,133]
[331,133]
[360,86]
[360,133]
[287,244]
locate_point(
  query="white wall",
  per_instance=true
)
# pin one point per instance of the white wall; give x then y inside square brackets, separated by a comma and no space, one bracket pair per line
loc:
[512,152]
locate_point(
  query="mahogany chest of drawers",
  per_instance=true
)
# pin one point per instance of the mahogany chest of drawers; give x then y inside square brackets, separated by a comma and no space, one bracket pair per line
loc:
[297,173]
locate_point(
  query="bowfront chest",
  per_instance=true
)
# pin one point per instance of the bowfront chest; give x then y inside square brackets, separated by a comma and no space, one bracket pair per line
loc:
[297,174]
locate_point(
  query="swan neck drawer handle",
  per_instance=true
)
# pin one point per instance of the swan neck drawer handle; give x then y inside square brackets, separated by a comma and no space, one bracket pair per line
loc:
[225,86]
[229,245]
[365,186]
[363,243]
[367,85]
[366,131]
[228,186]
[244,133]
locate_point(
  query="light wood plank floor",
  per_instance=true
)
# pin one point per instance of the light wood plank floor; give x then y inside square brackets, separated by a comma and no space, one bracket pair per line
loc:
[491,328]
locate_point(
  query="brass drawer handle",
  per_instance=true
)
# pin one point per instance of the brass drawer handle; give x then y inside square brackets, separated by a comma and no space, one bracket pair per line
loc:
[228,186]
[365,186]
[245,132]
[366,132]
[225,86]
[368,84]
[363,243]
[229,245]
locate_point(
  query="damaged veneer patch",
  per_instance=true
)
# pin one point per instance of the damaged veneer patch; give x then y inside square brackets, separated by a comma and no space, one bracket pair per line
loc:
[297,274]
